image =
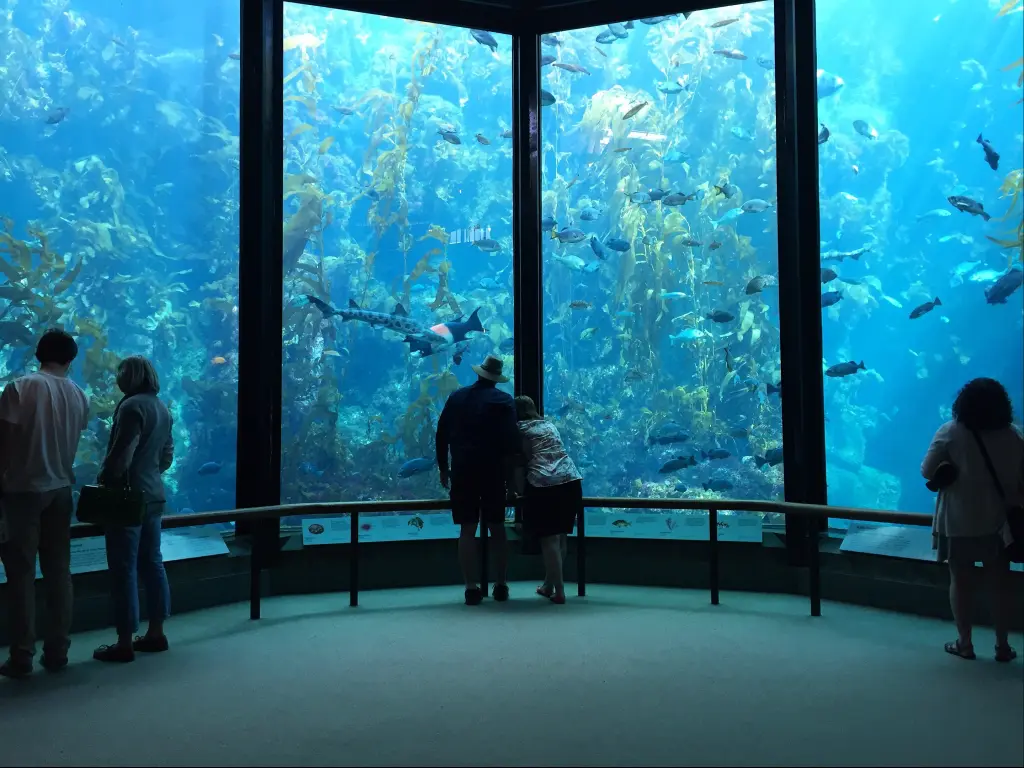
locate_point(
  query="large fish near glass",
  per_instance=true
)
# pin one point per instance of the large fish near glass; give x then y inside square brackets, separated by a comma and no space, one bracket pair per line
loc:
[397,321]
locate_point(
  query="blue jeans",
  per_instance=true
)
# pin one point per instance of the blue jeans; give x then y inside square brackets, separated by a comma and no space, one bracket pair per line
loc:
[133,552]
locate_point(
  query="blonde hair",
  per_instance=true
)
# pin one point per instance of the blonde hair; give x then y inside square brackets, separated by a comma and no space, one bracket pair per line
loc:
[136,375]
[526,409]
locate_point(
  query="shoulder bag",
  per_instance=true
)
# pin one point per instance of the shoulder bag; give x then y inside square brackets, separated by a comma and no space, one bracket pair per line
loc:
[109,505]
[1014,512]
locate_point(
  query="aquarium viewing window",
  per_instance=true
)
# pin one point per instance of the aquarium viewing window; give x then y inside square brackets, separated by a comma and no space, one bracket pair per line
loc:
[397,245]
[119,195]
[661,341]
[906,276]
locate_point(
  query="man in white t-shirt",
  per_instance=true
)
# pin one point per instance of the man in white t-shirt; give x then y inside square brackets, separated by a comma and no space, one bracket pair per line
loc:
[42,416]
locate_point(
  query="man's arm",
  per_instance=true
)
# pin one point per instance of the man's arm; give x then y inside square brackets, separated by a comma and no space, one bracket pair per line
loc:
[512,445]
[124,439]
[441,442]
[9,408]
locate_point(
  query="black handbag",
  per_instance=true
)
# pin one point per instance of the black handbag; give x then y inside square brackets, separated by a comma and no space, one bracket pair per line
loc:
[110,505]
[1014,512]
[945,475]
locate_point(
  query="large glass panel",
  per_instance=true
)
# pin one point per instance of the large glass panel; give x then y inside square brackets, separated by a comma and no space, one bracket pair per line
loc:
[397,245]
[119,197]
[661,338]
[920,156]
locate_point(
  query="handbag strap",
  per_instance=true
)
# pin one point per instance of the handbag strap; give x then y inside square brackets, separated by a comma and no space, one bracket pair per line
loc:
[988,463]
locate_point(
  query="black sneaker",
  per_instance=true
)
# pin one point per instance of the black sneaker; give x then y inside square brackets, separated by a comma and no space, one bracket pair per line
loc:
[144,644]
[115,653]
[500,592]
[53,663]
[474,596]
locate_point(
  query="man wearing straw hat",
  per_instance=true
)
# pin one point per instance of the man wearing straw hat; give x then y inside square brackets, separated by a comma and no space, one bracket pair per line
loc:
[478,426]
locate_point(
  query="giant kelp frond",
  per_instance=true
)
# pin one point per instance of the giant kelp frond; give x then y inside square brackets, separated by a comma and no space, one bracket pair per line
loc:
[1013,184]
[1010,7]
[1020,80]
[1013,187]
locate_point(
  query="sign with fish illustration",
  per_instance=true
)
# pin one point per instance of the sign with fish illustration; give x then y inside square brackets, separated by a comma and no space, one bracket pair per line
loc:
[89,555]
[911,542]
[382,527]
[685,526]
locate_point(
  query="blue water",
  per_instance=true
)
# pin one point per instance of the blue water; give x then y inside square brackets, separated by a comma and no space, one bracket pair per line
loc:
[166,286]
[908,71]
[158,108]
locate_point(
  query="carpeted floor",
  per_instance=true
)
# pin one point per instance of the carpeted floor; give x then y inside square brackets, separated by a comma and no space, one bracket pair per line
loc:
[626,676]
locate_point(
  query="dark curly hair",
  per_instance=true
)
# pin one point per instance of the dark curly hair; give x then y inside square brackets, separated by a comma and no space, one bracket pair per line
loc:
[56,346]
[983,404]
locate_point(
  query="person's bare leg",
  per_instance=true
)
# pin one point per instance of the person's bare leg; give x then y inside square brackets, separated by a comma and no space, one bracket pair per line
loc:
[551,548]
[499,547]
[998,574]
[467,556]
[961,600]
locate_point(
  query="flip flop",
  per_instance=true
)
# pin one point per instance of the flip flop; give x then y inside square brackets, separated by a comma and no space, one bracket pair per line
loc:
[958,650]
[545,591]
[558,599]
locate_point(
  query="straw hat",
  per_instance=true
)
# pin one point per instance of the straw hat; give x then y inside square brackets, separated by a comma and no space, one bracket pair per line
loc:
[491,369]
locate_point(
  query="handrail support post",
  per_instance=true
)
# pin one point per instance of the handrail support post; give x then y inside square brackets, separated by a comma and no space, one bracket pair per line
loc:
[581,553]
[713,558]
[353,561]
[814,559]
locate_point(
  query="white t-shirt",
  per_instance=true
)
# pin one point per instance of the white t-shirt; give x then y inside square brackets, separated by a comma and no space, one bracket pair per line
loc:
[50,412]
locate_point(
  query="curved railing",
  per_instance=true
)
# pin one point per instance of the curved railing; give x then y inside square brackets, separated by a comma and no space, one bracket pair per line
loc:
[711,506]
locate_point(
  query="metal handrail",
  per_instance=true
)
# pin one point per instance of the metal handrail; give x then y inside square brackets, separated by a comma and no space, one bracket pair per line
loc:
[711,506]
[81,530]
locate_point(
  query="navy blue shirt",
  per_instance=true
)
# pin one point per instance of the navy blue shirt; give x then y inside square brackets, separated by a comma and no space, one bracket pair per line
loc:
[478,425]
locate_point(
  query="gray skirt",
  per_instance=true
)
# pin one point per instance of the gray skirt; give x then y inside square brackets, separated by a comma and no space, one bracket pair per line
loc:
[968,550]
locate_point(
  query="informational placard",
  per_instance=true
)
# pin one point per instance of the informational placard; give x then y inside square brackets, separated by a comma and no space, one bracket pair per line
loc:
[373,528]
[912,542]
[90,554]
[192,543]
[687,526]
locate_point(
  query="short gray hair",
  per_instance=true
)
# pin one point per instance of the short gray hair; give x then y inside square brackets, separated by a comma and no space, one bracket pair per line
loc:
[136,375]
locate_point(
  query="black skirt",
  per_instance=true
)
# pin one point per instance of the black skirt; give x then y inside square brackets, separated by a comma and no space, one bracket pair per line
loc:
[552,510]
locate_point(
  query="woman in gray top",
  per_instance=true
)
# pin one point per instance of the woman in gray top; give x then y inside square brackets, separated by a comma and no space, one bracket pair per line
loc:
[970,515]
[139,451]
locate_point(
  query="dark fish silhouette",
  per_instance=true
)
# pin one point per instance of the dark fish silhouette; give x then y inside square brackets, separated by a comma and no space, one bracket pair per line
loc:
[968,205]
[845,369]
[991,156]
[823,134]
[1000,290]
[484,38]
[720,316]
[772,457]
[715,453]
[830,298]
[57,115]
[680,462]
[925,308]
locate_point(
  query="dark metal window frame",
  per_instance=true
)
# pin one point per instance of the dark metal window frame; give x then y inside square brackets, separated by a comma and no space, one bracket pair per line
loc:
[258,476]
